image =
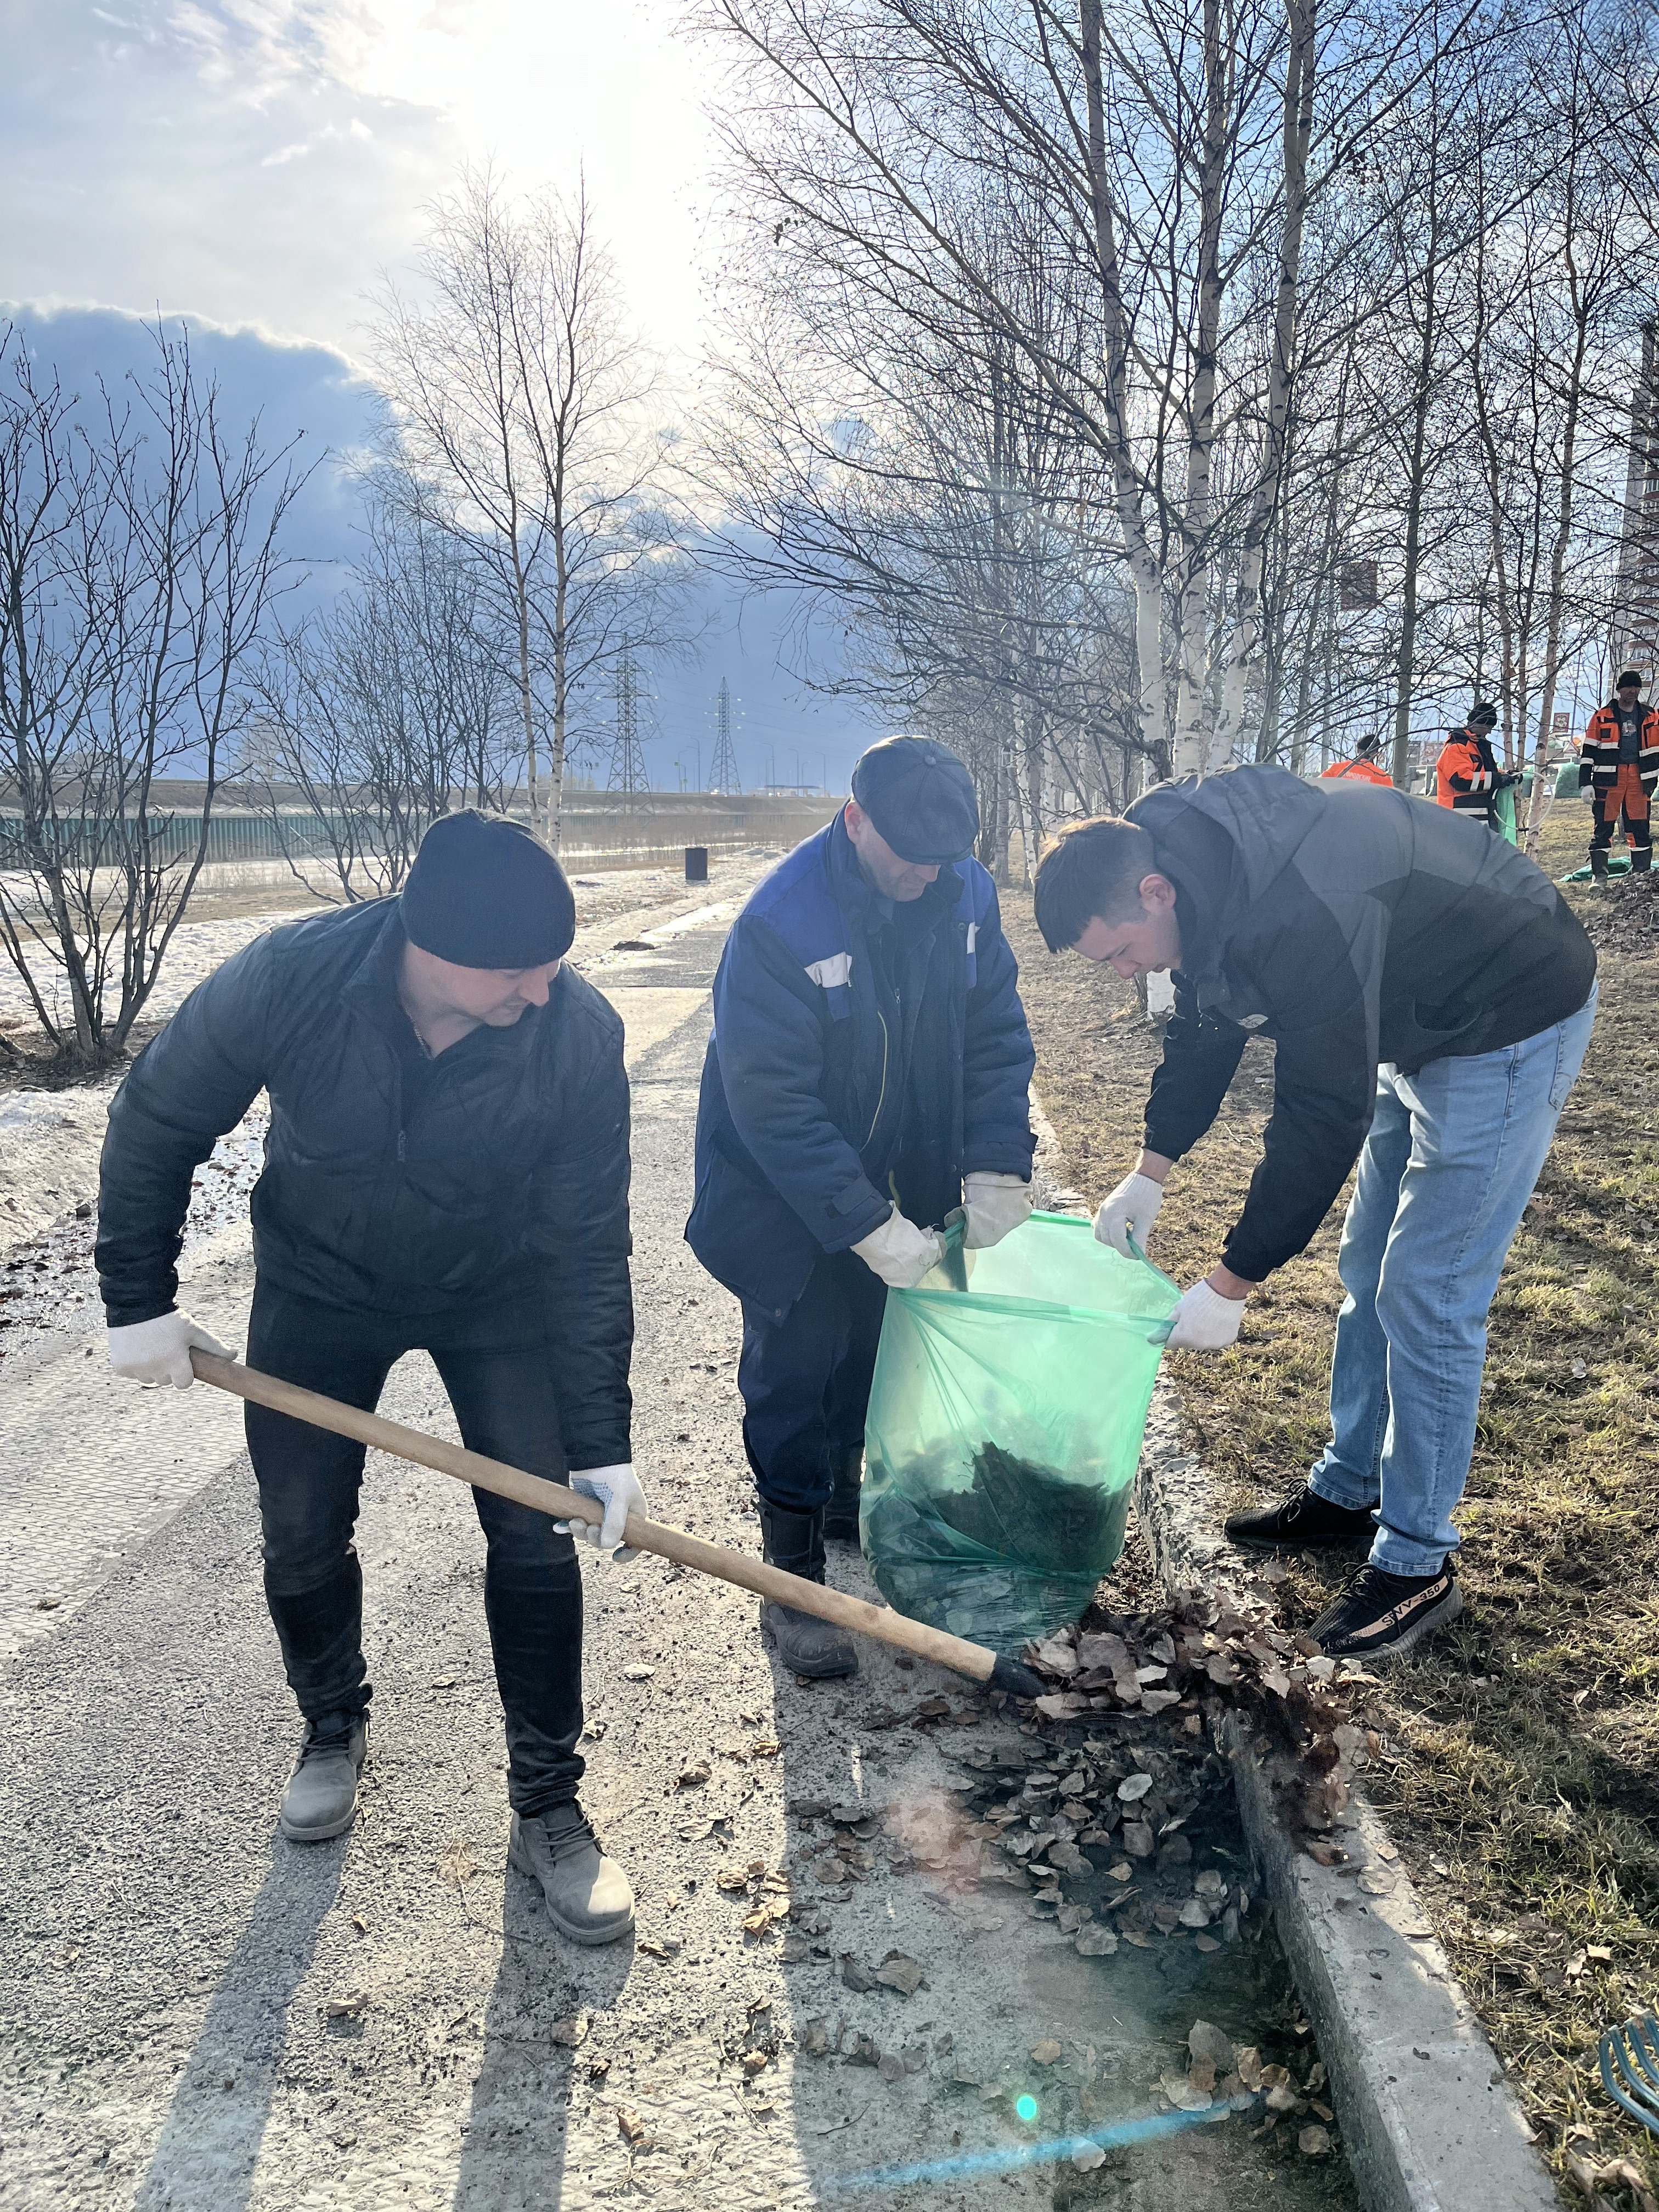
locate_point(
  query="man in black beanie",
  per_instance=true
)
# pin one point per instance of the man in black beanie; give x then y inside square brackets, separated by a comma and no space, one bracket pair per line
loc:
[447,1169]
[870,1071]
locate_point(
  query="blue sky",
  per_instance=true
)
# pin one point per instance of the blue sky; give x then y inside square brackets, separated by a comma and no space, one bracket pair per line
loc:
[256,166]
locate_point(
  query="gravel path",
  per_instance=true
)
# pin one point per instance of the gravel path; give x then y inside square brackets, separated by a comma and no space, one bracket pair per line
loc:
[194,2013]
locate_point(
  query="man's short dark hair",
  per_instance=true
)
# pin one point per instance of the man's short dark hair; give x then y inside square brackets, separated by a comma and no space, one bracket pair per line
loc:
[1096,868]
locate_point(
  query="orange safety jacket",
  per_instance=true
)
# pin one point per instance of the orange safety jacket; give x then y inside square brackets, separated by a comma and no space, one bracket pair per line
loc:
[1465,773]
[1367,771]
[1598,757]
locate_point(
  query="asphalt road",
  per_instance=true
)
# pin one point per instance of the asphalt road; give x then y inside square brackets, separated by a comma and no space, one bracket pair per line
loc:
[194,2013]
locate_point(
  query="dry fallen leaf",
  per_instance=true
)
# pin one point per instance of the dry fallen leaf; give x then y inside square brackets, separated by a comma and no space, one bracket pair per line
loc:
[630,2127]
[1314,2142]
[754,2062]
[731,1878]
[897,1972]
[1046,2051]
[1133,1787]
[1095,1942]
[459,1863]
[1246,2064]
[638,1674]
[570,2031]
[1204,2041]
[1086,2156]
[1139,1840]
[691,1775]
[345,2008]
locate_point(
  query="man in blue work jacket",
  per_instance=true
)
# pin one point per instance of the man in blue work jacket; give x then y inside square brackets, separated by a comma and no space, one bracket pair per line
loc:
[870,1071]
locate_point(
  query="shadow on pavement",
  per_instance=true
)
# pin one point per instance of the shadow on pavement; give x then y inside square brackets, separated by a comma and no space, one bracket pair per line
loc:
[513,2142]
[210,2141]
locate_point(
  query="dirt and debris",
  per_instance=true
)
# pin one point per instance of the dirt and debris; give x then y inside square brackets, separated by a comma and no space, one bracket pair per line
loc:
[1625,918]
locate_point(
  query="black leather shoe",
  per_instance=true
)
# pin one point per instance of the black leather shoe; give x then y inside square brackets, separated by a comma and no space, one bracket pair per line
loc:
[841,1515]
[1305,1522]
[806,1645]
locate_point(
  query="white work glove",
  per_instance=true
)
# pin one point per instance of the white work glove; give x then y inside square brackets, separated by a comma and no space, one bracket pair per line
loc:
[994,1204]
[1203,1320]
[899,1253]
[159,1351]
[1129,1212]
[1587,792]
[616,1488]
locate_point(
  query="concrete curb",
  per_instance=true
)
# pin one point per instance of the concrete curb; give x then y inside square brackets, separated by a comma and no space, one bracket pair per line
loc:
[1428,2119]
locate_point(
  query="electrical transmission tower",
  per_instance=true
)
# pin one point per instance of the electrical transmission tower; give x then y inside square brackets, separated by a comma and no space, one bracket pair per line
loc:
[723,776]
[627,762]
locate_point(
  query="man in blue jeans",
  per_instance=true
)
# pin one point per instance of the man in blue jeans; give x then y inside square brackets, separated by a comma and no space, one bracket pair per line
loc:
[1430,997]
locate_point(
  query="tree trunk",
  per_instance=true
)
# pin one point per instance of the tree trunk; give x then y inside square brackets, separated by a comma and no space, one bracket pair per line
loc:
[1192,738]
[1151,709]
[1264,504]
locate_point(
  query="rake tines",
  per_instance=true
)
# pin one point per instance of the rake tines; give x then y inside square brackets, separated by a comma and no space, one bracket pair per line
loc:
[1630,2068]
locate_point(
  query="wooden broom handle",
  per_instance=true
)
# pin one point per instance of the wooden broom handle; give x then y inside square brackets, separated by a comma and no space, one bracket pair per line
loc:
[972,1659]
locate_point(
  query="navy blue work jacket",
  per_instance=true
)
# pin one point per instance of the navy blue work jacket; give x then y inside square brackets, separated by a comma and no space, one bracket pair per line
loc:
[847,1073]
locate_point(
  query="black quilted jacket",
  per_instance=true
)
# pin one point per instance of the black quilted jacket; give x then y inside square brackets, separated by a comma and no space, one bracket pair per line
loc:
[507,1181]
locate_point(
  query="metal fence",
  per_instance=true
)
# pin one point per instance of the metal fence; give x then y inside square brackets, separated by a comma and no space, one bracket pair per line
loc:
[595,824]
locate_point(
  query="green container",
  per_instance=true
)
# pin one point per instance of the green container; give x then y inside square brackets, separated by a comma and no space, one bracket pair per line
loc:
[1004,1428]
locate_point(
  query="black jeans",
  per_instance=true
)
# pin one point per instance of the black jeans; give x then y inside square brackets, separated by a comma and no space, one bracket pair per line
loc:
[805,1380]
[497,1367]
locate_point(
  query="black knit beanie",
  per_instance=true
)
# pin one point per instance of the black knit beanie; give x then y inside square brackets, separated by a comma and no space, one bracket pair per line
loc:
[486,893]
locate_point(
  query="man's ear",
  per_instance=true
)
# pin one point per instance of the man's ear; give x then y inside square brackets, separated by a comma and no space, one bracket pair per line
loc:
[1157,893]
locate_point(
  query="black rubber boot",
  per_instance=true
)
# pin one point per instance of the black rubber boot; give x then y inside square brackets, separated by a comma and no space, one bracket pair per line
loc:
[841,1515]
[1598,863]
[1305,1522]
[1641,860]
[806,1645]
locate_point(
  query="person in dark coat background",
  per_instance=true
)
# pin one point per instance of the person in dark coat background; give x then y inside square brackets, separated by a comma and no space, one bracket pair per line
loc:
[869,1071]
[447,1169]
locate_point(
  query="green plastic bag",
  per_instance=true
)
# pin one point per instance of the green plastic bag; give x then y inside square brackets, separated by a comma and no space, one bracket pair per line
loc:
[1005,1420]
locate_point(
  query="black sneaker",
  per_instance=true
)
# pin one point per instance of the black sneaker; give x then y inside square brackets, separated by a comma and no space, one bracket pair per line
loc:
[1379,1615]
[1306,1523]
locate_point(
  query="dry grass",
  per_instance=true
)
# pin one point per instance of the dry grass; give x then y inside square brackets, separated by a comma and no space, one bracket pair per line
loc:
[1528,1803]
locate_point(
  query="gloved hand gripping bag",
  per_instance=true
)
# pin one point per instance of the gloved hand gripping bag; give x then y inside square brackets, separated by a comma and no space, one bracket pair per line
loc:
[1005,1422]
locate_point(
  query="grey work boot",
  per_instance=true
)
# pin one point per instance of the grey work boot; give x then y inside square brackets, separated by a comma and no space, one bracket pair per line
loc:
[806,1645]
[588,1896]
[321,1796]
[1598,863]
[841,1515]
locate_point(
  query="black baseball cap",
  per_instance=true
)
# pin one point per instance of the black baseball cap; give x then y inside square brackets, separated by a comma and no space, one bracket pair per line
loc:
[921,799]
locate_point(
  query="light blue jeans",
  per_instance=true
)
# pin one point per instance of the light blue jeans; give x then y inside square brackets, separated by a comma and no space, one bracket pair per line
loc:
[1450,1162]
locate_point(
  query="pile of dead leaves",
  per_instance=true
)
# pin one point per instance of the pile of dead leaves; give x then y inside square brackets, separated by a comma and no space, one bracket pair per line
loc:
[1191,1663]
[1625,918]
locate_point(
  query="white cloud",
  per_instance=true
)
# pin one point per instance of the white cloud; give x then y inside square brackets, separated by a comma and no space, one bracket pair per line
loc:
[261,161]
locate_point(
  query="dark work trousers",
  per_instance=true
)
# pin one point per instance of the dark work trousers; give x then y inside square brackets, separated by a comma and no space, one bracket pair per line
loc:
[805,1380]
[495,1367]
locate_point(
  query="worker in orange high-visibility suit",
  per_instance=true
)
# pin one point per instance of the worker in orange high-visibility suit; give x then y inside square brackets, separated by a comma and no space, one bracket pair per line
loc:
[1466,777]
[1618,769]
[1363,768]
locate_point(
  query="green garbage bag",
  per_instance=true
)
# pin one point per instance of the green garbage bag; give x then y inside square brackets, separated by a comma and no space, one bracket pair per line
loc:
[1005,1420]
[1504,808]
